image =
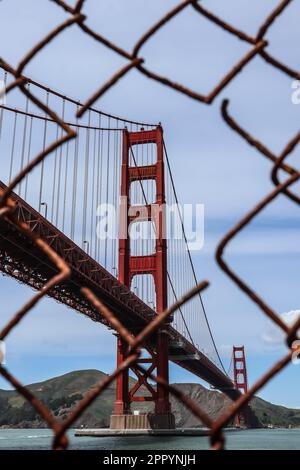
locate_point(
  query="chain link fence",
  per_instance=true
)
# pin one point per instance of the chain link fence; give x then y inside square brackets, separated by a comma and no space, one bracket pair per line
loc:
[258,45]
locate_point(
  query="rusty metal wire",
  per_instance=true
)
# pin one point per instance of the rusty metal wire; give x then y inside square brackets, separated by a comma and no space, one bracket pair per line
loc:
[258,46]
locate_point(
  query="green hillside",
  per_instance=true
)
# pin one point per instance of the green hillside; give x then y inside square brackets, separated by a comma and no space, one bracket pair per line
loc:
[62,393]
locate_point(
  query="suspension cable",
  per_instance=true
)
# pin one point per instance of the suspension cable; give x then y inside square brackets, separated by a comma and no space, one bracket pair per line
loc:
[168,274]
[190,258]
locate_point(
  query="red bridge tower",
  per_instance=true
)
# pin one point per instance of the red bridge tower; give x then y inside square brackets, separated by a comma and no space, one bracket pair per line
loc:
[154,264]
[240,375]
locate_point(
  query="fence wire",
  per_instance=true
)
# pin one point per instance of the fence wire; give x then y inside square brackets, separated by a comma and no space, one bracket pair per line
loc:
[258,45]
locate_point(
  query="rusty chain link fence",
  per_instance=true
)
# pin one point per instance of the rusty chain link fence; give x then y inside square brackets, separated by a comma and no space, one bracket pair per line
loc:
[258,45]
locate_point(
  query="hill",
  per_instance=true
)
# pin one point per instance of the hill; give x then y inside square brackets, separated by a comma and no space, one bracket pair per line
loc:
[62,393]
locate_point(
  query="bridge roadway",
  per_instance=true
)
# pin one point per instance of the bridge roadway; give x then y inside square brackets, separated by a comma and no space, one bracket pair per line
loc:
[21,259]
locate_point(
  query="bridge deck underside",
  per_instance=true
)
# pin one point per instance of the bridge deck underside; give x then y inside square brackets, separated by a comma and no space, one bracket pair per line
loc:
[21,259]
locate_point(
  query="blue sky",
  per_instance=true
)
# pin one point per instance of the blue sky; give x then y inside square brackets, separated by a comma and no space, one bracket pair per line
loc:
[210,163]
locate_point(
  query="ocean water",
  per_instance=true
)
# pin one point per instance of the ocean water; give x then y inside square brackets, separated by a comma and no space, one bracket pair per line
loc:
[255,439]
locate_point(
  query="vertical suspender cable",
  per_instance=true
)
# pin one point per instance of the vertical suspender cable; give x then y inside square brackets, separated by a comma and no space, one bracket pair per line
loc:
[98,189]
[28,155]
[65,186]
[59,169]
[13,148]
[43,162]
[75,171]
[115,196]
[86,182]
[107,187]
[24,140]
[2,110]
[93,218]
[54,176]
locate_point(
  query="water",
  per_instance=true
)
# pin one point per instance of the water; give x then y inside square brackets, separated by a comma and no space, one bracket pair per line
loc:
[256,439]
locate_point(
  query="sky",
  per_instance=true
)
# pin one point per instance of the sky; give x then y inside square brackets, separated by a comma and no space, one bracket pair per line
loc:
[211,165]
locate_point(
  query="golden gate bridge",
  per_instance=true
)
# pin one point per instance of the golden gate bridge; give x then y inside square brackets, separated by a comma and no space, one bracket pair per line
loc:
[111,159]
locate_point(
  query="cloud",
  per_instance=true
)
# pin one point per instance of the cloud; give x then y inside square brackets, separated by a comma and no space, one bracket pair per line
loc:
[273,335]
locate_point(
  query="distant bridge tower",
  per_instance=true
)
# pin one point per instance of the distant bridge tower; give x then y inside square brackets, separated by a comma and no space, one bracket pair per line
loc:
[154,264]
[239,375]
